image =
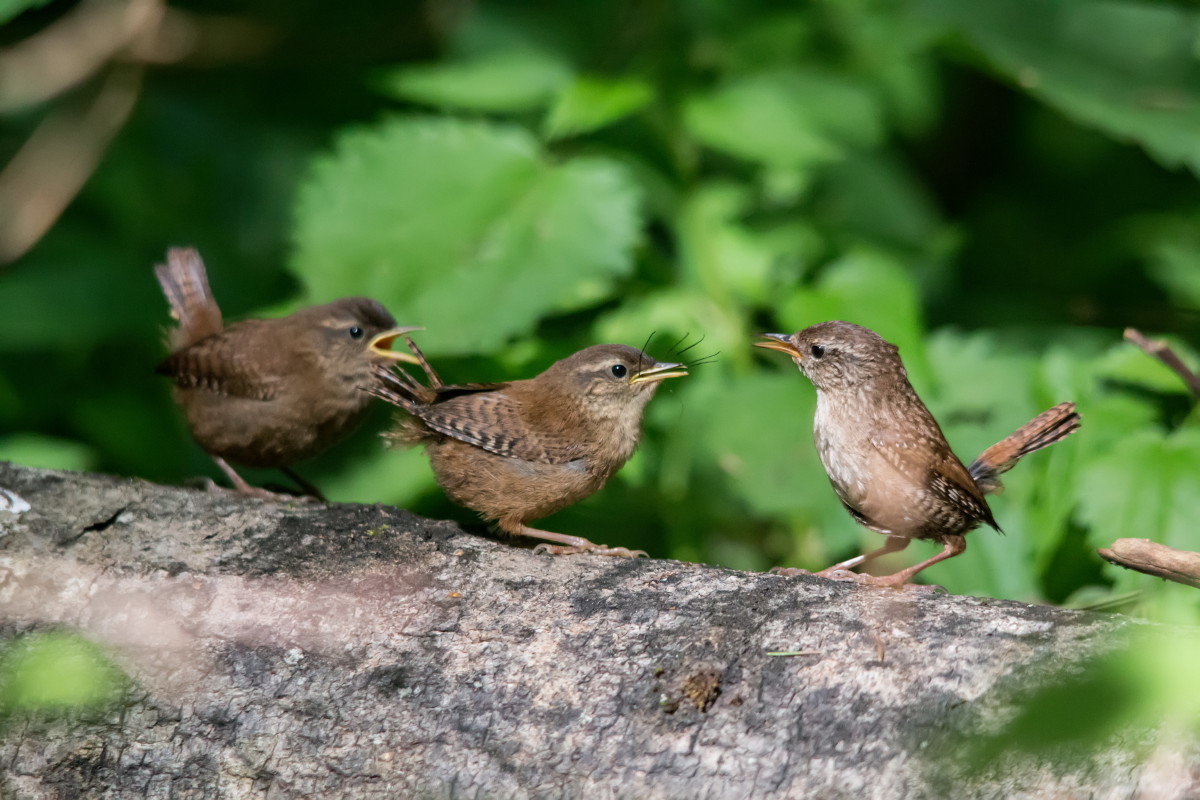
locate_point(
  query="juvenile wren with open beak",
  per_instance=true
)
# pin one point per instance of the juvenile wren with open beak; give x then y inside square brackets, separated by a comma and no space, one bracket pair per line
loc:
[270,392]
[518,451]
[885,454]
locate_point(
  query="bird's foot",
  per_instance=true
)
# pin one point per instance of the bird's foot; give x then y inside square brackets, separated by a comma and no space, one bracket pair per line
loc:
[886,581]
[260,494]
[590,549]
[789,572]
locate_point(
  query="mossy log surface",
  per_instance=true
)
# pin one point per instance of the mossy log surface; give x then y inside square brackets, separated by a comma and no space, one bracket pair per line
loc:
[308,650]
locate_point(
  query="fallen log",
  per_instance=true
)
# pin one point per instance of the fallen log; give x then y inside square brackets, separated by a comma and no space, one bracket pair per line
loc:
[308,650]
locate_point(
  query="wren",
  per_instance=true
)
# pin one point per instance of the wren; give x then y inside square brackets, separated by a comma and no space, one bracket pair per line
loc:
[270,392]
[519,451]
[885,454]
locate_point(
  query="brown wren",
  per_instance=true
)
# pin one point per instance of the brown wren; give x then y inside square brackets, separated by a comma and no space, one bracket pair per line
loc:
[885,454]
[270,392]
[518,451]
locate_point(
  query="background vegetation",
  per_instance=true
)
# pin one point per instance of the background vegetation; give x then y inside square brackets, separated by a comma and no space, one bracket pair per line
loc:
[998,188]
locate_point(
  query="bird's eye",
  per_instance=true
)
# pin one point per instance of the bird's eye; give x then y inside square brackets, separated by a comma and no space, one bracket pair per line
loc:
[817,350]
[356,332]
[618,370]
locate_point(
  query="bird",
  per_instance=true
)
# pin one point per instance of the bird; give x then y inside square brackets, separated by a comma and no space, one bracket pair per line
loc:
[518,451]
[886,456]
[269,392]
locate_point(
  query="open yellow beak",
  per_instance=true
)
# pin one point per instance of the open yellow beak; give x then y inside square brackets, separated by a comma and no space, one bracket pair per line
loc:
[660,372]
[381,345]
[779,341]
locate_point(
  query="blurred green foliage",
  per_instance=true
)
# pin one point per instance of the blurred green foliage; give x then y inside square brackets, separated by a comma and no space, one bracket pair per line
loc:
[55,672]
[998,188]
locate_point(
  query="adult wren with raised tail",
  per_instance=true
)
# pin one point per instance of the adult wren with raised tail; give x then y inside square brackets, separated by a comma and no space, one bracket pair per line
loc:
[519,451]
[270,392]
[885,454]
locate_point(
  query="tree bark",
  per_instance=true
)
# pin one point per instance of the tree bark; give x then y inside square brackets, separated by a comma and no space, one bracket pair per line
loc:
[307,650]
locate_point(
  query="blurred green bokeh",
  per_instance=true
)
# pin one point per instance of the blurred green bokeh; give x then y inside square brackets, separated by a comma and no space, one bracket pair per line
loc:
[998,188]
[55,672]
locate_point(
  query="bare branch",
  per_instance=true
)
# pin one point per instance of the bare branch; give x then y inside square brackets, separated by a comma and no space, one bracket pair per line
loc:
[57,160]
[1162,351]
[1152,558]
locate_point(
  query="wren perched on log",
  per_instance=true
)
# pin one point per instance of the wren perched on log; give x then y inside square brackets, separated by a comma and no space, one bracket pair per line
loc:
[885,454]
[518,451]
[270,392]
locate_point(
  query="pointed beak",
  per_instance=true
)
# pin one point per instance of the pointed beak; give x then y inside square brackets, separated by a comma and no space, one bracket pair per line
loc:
[660,371]
[779,341]
[381,345]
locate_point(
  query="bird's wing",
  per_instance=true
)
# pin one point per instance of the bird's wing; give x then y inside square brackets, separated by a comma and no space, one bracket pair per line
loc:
[923,455]
[229,363]
[490,418]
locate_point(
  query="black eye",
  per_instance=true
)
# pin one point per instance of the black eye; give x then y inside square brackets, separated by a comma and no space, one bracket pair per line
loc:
[817,350]
[618,370]
[356,332]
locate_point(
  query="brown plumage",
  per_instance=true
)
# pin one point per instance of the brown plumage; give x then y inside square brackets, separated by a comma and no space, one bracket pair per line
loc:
[885,454]
[518,451]
[269,392]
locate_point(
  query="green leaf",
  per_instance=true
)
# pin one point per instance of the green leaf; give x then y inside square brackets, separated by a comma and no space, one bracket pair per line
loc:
[1127,68]
[504,82]
[45,452]
[9,9]
[790,118]
[590,103]
[726,259]
[1146,486]
[868,287]
[1170,243]
[56,672]
[465,227]
[1127,364]
[396,477]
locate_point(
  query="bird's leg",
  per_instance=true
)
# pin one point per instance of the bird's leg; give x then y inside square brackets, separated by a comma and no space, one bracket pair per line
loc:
[841,570]
[894,544]
[241,487]
[954,545]
[570,544]
[309,488]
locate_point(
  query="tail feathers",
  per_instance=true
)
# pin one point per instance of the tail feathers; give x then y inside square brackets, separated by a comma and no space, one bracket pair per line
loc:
[1045,429]
[185,283]
[435,380]
[398,388]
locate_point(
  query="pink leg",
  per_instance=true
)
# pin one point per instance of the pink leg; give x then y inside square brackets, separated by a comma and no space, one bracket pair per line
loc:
[955,545]
[241,487]
[894,544]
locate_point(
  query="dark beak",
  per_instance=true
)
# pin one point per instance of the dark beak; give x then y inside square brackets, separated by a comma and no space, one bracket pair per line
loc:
[381,345]
[779,341]
[660,371]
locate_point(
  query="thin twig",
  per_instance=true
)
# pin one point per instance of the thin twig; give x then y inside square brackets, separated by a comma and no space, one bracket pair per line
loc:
[1152,558]
[52,166]
[1162,351]
[73,49]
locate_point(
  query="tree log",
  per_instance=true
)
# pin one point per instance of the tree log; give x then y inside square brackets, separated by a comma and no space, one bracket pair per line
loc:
[307,650]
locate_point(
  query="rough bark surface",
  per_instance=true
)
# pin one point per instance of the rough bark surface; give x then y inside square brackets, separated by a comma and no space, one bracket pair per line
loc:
[356,651]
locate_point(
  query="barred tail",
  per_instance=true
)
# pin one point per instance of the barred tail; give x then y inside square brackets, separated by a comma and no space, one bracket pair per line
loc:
[435,380]
[398,388]
[1045,429]
[185,283]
